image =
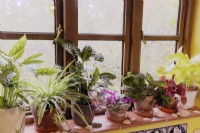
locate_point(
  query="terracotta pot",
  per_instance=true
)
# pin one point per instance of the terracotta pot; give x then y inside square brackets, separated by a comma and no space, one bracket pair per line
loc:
[88,113]
[144,108]
[172,107]
[190,96]
[11,120]
[47,124]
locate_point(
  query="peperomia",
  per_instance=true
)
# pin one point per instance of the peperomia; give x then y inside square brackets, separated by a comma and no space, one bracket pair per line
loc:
[139,86]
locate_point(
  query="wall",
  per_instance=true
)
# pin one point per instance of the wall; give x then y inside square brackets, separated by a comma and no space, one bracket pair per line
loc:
[190,129]
[195,48]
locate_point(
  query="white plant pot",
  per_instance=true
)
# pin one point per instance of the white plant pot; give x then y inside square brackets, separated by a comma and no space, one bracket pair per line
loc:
[12,120]
[191,96]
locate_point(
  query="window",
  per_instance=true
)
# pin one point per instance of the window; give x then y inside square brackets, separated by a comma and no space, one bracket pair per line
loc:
[85,22]
[35,19]
[111,25]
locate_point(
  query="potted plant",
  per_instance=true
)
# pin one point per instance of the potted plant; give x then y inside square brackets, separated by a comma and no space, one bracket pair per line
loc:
[115,105]
[12,89]
[89,76]
[145,91]
[183,70]
[50,95]
[176,93]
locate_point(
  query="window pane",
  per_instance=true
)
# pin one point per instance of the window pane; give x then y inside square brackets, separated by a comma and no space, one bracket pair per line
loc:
[160,16]
[153,55]
[112,52]
[27,15]
[100,16]
[32,47]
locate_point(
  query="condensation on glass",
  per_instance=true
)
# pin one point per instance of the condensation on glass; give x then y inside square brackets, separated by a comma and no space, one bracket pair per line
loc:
[160,16]
[100,16]
[153,54]
[33,47]
[27,15]
[112,52]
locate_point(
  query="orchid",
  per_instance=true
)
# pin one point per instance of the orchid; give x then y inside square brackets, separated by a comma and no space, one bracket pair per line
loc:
[108,98]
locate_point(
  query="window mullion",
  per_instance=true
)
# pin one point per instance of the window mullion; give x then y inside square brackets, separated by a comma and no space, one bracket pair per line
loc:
[181,22]
[127,33]
[136,28]
[188,25]
[59,50]
[30,35]
[70,27]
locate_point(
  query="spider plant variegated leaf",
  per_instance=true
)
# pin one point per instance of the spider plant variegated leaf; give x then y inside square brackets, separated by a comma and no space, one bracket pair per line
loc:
[58,86]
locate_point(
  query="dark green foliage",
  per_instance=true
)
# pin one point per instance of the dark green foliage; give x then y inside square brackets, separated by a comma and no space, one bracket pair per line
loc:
[161,98]
[88,79]
[138,86]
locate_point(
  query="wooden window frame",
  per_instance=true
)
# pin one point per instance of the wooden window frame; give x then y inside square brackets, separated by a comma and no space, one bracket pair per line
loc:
[66,14]
[132,28]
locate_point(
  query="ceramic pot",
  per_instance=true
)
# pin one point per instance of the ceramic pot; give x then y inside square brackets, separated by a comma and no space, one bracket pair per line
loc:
[11,120]
[117,113]
[88,113]
[47,124]
[190,96]
[144,108]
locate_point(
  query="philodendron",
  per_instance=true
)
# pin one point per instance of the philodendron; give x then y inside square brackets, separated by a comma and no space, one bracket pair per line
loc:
[51,94]
[12,89]
[183,70]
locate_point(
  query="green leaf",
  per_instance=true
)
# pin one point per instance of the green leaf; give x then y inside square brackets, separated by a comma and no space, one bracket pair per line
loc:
[86,53]
[107,75]
[41,111]
[2,52]
[30,59]
[2,102]
[23,98]
[99,57]
[161,84]
[150,79]
[130,80]
[32,62]
[106,81]
[96,75]
[18,49]
[46,71]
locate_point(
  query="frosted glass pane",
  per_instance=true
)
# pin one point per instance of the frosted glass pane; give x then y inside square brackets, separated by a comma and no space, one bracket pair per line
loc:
[160,16]
[33,47]
[153,55]
[27,15]
[112,52]
[100,16]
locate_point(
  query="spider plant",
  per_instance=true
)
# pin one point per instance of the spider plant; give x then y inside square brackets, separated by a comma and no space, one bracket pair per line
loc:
[54,91]
[12,91]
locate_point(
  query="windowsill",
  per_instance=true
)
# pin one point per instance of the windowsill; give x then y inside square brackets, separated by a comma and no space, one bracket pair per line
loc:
[117,125]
